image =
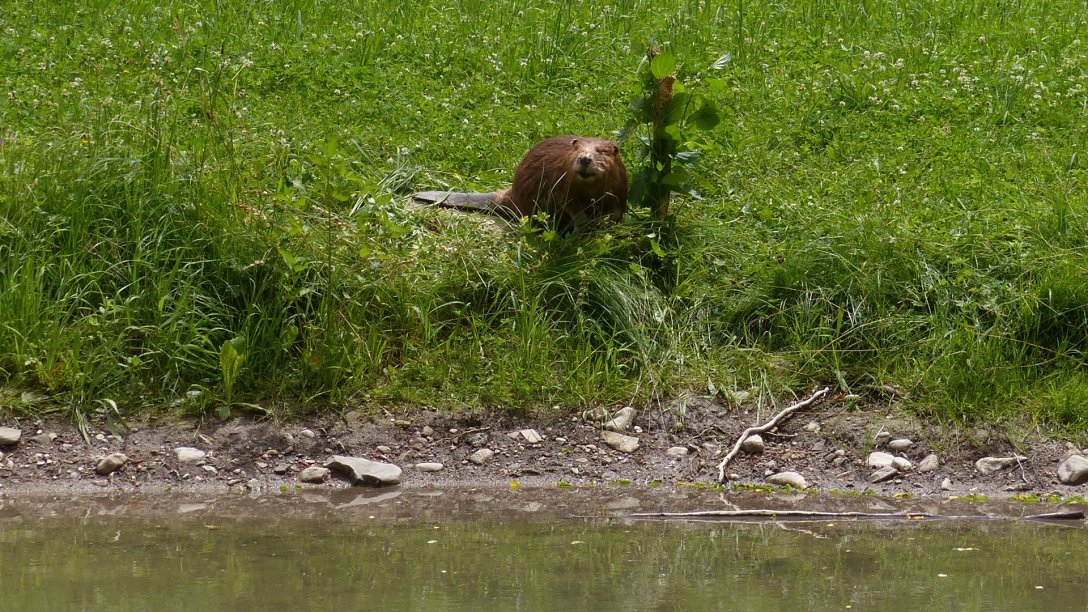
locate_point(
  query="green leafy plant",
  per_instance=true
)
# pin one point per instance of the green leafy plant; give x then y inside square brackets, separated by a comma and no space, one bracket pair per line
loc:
[231,357]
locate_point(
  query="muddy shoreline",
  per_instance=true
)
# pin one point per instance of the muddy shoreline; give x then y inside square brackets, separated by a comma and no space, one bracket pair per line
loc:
[827,444]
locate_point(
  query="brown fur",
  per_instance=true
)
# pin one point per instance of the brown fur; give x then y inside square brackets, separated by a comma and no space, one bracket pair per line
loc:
[578,181]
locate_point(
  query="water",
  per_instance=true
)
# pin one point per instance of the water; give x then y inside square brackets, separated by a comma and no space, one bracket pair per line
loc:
[518,550]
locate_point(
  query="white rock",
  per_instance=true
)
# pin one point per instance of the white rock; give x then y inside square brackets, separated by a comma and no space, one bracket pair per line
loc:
[429,466]
[531,436]
[989,465]
[623,419]
[1073,471]
[900,445]
[427,431]
[946,484]
[902,464]
[308,433]
[813,426]
[210,469]
[365,471]
[884,473]
[9,436]
[315,474]
[753,444]
[792,479]
[620,442]
[929,464]
[677,452]
[110,464]
[188,454]
[481,456]
[879,459]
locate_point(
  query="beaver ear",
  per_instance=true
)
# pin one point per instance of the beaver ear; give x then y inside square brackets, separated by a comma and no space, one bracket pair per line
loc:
[615,150]
[574,142]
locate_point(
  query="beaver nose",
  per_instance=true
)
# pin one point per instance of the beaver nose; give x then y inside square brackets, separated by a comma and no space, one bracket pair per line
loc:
[584,161]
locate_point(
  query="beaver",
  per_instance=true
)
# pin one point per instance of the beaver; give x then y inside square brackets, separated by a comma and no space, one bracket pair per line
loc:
[578,181]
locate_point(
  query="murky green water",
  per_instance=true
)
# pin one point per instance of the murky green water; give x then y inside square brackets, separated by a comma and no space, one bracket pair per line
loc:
[428,550]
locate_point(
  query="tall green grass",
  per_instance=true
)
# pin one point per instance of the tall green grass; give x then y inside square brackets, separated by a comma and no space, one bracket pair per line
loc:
[895,197]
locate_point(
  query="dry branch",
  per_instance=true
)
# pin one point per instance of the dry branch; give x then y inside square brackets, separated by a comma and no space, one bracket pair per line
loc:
[767,426]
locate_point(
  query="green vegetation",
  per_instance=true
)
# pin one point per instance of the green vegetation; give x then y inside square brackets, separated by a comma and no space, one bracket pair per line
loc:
[209,196]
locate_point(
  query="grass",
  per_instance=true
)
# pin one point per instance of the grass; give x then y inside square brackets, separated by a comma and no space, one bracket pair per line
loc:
[896,196]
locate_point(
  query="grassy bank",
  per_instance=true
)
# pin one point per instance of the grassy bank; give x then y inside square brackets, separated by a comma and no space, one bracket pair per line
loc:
[896,196]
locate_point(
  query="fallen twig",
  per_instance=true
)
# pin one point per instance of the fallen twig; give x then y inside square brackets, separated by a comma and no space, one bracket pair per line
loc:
[767,426]
[1075,515]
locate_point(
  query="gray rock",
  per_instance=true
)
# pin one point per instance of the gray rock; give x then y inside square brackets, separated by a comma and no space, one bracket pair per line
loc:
[1073,471]
[900,444]
[315,474]
[929,464]
[531,436]
[44,438]
[365,471]
[308,433]
[481,456]
[792,479]
[989,465]
[9,436]
[881,437]
[478,439]
[188,454]
[620,442]
[879,460]
[946,484]
[677,452]
[381,448]
[902,464]
[753,444]
[622,420]
[429,466]
[741,396]
[812,426]
[110,464]
[884,473]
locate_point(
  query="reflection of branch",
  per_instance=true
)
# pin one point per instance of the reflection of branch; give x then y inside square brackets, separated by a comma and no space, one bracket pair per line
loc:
[779,515]
[766,426]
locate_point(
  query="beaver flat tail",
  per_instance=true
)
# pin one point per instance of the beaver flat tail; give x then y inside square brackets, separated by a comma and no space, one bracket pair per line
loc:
[458,199]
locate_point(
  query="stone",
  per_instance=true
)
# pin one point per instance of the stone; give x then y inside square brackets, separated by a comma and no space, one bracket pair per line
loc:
[740,396]
[531,436]
[429,466]
[792,479]
[364,471]
[879,460]
[812,426]
[308,433]
[753,444]
[900,445]
[1073,471]
[478,439]
[620,442]
[946,484]
[44,438]
[677,452]
[315,474]
[481,456]
[427,431]
[902,464]
[211,469]
[110,464]
[381,448]
[622,421]
[883,474]
[10,435]
[989,465]
[929,464]
[188,454]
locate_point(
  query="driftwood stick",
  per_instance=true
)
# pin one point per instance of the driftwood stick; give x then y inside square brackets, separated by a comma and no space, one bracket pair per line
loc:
[767,426]
[1075,515]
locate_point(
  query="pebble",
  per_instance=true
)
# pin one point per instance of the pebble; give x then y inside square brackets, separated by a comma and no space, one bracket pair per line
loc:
[753,444]
[946,484]
[315,474]
[622,421]
[10,435]
[620,442]
[281,468]
[989,465]
[792,479]
[1073,471]
[900,445]
[210,469]
[884,473]
[902,464]
[427,431]
[384,449]
[478,439]
[481,456]
[531,436]
[879,459]
[813,426]
[677,452]
[110,464]
[365,471]
[929,464]
[188,454]
[308,433]
[429,466]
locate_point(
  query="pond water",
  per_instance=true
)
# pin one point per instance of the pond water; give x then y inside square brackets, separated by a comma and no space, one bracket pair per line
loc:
[519,550]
